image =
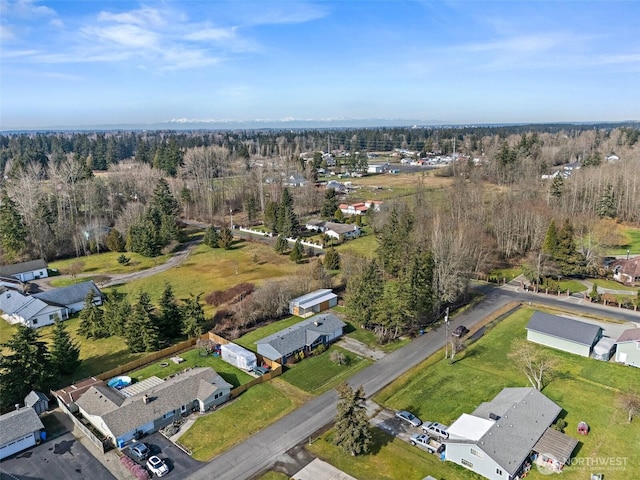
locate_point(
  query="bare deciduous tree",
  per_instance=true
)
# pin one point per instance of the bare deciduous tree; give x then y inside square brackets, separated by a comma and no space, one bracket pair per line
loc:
[533,361]
[630,402]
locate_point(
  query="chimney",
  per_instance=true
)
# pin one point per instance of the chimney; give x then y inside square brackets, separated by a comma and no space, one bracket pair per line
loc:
[493,416]
[17,406]
[145,399]
[316,323]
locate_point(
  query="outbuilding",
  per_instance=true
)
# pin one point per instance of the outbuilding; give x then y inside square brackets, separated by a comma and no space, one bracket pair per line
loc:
[563,333]
[38,401]
[604,349]
[312,303]
[628,347]
[19,430]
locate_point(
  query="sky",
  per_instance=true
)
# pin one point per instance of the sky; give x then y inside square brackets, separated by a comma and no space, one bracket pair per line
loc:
[85,63]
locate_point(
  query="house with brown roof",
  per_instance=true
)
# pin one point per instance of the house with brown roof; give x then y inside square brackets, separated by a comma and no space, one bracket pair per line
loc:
[627,271]
[628,347]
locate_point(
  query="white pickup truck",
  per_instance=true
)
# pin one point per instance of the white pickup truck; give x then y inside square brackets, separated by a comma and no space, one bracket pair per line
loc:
[426,442]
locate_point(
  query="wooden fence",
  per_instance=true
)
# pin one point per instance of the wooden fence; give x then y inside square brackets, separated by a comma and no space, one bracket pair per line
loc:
[147,359]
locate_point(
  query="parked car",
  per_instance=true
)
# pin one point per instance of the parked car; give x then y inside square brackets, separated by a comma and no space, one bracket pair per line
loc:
[156,466]
[139,450]
[436,430]
[424,441]
[409,418]
[460,331]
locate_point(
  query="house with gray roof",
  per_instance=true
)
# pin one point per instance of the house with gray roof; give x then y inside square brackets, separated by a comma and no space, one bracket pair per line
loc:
[40,309]
[313,302]
[19,430]
[25,271]
[341,231]
[628,347]
[501,438]
[563,333]
[302,337]
[37,400]
[120,417]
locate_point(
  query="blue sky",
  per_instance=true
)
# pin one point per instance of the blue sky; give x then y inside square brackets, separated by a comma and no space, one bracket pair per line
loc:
[82,63]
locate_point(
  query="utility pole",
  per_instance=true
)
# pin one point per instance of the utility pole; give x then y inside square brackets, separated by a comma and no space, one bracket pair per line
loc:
[446,333]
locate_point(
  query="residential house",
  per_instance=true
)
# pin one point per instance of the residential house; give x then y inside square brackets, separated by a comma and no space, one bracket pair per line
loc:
[25,271]
[627,271]
[375,204]
[353,209]
[341,231]
[628,347]
[41,309]
[376,168]
[72,296]
[296,180]
[16,307]
[121,415]
[314,302]
[563,333]
[501,438]
[337,186]
[301,337]
[315,224]
[38,401]
[19,430]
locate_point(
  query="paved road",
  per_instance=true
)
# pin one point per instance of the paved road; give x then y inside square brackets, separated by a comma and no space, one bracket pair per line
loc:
[262,449]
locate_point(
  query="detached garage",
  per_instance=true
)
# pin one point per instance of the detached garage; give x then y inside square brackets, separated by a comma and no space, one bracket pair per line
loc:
[563,333]
[19,430]
[312,303]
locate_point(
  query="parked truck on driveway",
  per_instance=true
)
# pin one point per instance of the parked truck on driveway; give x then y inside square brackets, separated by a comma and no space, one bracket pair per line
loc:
[425,441]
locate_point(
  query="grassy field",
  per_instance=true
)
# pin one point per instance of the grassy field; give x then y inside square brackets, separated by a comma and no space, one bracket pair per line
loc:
[633,243]
[107,263]
[585,388]
[256,408]
[369,338]
[573,286]
[365,246]
[318,374]
[274,476]
[613,285]
[509,273]
[192,358]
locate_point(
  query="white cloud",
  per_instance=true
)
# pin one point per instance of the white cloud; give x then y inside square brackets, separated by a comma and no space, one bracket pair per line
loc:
[124,35]
[6,33]
[24,9]
[142,17]
[212,34]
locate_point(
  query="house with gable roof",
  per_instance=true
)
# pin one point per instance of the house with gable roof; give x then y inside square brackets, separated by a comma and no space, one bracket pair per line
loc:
[302,337]
[144,407]
[25,271]
[628,347]
[500,438]
[19,429]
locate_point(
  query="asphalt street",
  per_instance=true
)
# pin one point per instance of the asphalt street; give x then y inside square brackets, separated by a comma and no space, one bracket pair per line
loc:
[262,449]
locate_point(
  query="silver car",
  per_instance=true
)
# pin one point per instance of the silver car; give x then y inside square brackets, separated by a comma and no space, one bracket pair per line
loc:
[409,418]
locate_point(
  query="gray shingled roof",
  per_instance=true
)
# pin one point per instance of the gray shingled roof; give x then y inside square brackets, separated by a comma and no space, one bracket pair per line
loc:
[291,339]
[18,423]
[629,335]
[68,295]
[34,397]
[17,268]
[122,415]
[525,414]
[340,228]
[12,302]
[565,328]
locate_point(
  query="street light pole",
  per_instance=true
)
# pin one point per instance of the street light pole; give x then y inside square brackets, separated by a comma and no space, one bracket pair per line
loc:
[628,250]
[446,333]
[231,215]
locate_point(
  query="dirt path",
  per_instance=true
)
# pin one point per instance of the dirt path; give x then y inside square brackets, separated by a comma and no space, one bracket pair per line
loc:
[360,348]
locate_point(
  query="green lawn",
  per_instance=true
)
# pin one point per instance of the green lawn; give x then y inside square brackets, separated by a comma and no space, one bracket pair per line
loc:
[584,388]
[256,408]
[509,273]
[613,285]
[273,476]
[364,246]
[318,373]
[369,338]
[573,286]
[633,243]
[192,358]
[107,263]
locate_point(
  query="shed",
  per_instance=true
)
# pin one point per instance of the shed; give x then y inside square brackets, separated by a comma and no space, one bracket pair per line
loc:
[604,349]
[238,356]
[314,302]
[38,401]
[19,430]
[628,347]
[563,333]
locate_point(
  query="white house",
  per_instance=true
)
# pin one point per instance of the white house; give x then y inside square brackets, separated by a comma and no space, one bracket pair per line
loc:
[563,333]
[376,168]
[72,296]
[628,347]
[353,209]
[19,430]
[500,437]
[25,271]
[341,231]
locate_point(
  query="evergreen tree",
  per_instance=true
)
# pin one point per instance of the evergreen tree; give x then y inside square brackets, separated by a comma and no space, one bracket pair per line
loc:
[170,318]
[338,215]
[226,239]
[550,245]
[607,203]
[351,427]
[394,240]
[392,313]
[115,242]
[281,245]
[64,353]
[141,333]
[24,366]
[363,293]
[271,216]
[297,253]
[117,311]
[417,281]
[42,232]
[193,318]
[143,239]
[252,209]
[211,237]
[13,233]
[92,323]
[330,204]
[332,259]
[164,200]
[557,186]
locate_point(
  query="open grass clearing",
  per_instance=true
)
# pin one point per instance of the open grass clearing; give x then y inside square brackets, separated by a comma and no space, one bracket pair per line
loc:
[508,273]
[633,243]
[613,285]
[585,388]
[369,338]
[192,358]
[231,424]
[107,263]
[271,475]
[573,286]
[364,246]
[318,373]
[403,180]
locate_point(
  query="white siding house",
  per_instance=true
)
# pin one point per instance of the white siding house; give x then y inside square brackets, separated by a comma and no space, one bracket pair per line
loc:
[628,347]
[19,430]
[25,271]
[563,333]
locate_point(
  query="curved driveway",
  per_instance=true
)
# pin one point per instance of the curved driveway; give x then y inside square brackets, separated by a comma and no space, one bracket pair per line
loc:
[261,450]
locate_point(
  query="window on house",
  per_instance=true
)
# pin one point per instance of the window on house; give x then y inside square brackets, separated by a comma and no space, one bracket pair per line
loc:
[183,408]
[168,415]
[498,471]
[34,321]
[466,463]
[52,316]
[476,453]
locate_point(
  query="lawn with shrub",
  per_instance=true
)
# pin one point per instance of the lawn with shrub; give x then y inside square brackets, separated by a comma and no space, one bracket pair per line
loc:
[107,263]
[193,358]
[633,243]
[370,339]
[319,373]
[612,285]
[236,421]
